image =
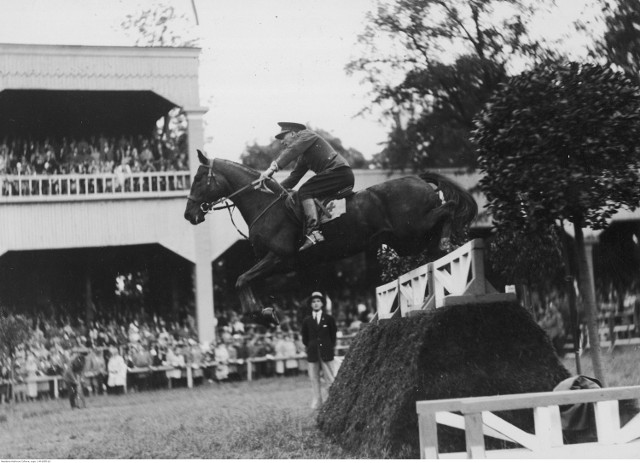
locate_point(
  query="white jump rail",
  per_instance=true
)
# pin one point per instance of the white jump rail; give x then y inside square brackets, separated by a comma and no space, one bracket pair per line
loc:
[385,298]
[477,420]
[416,287]
[457,278]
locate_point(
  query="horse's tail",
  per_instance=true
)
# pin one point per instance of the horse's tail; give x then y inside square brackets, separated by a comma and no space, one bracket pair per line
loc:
[466,207]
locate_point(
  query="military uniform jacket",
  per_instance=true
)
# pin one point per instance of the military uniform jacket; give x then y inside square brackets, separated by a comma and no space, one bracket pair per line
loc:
[311,152]
[319,338]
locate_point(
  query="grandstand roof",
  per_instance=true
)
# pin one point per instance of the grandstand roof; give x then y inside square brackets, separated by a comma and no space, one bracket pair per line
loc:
[50,86]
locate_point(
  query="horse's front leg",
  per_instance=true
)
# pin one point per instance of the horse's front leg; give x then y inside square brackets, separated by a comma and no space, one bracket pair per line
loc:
[443,215]
[248,301]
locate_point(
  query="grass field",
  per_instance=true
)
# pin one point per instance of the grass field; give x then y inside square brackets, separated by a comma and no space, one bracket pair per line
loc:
[269,418]
[621,367]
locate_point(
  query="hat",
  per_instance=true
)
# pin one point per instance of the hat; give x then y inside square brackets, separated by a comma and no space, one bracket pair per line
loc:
[316,295]
[286,127]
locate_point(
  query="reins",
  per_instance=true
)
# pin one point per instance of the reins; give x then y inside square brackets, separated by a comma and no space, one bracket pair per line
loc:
[207,207]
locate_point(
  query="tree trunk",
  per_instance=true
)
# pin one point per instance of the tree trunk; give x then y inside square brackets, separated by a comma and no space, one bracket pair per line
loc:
[587,288]
[571,293]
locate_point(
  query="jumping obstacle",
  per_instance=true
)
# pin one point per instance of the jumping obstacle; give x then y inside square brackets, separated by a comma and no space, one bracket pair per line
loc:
[454,279]
[442,332]
[477,419]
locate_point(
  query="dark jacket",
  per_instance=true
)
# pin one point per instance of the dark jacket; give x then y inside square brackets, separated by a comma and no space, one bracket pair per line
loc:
[319,339]
[311,152]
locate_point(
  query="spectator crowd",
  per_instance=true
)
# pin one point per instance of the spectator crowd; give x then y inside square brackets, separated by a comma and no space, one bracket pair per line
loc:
[112,348]
[90,155]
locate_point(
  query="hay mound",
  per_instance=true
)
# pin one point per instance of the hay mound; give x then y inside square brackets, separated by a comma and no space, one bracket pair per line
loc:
[459,351]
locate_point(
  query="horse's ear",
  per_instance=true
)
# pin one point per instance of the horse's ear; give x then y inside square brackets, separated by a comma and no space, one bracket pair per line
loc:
[203,159]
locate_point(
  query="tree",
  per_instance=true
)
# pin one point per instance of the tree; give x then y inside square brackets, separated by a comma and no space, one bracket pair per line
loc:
[260,156]
[160,27]
[558,144]
[620,43]
[163,27]
[529,258]
[447,58]
[14,330]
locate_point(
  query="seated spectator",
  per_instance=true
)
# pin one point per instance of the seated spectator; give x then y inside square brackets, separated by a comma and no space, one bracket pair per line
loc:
[95,371]
[237,327]
[140,356]
[134,331]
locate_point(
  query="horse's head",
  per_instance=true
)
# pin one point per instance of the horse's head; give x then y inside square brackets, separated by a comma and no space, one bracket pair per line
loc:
[206,189]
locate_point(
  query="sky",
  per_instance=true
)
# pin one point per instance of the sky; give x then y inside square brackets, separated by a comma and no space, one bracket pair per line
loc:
[262,61]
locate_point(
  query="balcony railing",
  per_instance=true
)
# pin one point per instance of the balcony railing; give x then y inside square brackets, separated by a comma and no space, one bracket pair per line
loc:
[73,187]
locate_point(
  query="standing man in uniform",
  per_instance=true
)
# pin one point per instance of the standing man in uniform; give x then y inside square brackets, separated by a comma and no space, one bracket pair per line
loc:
[311,152]
[319,337]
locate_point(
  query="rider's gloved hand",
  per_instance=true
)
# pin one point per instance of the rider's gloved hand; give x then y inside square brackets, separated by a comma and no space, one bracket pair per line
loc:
[270,171]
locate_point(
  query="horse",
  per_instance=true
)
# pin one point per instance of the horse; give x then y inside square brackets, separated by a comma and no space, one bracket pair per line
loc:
[406,214]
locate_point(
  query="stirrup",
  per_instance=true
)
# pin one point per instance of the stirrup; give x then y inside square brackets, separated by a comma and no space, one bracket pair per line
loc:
[312,239]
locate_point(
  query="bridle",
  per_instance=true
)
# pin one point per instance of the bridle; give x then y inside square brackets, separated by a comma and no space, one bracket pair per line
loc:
[207,207]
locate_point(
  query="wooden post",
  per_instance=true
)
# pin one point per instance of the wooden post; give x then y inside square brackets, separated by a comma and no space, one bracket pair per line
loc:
[189,376]
[548,426]
[474,435]
[607,421]
[428,435]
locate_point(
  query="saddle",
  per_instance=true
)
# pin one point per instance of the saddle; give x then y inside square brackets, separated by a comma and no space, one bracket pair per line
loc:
[329,207]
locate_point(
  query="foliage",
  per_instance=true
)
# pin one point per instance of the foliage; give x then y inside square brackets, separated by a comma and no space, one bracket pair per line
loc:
[260,156]
[561,143]
[160,27]
[14,330]
[392,265]
[621,41]
[432,98]
[540,252]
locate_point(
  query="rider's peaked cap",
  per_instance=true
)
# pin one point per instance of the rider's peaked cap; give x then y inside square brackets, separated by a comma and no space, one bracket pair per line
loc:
[286,127]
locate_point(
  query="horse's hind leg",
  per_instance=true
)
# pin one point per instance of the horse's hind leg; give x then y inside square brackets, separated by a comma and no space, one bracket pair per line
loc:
[248,301]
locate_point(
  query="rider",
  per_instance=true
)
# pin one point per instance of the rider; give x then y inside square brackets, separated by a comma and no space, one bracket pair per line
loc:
[311,152]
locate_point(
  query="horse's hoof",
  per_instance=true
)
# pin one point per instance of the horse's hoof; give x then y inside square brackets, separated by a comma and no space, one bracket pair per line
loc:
[270,313]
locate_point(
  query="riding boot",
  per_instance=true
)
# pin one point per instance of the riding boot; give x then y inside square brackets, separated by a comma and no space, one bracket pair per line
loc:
[313,235]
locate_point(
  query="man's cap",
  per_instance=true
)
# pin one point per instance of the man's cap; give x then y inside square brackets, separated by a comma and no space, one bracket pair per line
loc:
[316,295]
[286,127]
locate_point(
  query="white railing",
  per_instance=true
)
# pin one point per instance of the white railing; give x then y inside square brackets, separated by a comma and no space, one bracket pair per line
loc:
[477,420]
[385,298]
[455,278]
[36,188]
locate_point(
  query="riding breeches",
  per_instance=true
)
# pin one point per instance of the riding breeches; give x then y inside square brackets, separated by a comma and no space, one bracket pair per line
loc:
[327,183]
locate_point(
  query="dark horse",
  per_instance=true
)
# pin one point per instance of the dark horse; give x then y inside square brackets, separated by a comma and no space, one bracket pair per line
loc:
[405,213]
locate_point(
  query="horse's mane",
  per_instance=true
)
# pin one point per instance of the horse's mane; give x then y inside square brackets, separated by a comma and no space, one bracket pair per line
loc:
[247,169]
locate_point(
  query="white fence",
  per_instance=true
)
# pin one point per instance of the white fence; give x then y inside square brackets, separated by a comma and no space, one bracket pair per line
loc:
[70,187]
[477,420]
[457,278]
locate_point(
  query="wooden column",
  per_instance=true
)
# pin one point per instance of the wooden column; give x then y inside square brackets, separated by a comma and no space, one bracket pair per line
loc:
[203,275]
